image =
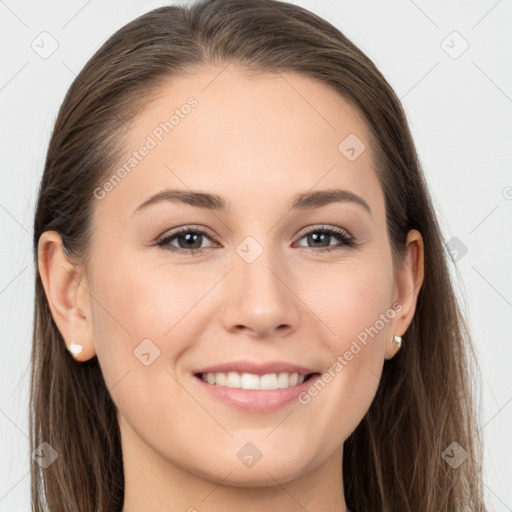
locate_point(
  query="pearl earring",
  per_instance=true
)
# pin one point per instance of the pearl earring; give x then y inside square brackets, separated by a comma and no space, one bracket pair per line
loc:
[75,349]
[397,340]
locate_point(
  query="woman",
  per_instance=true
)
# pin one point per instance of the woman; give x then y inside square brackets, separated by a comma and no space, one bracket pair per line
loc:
[242,298]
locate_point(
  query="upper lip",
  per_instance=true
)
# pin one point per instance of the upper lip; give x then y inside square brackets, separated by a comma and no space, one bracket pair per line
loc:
[257,368]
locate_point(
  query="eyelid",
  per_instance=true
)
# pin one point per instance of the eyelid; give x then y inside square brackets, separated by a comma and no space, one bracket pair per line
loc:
[323,227]
[185,229]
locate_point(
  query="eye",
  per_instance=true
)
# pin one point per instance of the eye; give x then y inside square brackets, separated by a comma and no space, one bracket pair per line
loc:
[189,240]
[323,236]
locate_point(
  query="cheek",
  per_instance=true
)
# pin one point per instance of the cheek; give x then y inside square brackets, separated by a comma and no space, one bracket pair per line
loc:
[350,299]
[355,306]
[134,303]
[143,321]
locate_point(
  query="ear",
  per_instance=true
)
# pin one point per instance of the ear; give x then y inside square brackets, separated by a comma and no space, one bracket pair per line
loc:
[408,282]
[67,293]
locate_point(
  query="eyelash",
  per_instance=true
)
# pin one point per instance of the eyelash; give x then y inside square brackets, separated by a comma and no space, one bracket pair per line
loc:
[347,240]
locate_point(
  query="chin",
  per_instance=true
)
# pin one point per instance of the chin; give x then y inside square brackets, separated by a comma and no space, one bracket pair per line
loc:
[273,466]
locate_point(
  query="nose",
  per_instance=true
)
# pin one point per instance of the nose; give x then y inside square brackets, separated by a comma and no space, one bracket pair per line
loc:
[260,298]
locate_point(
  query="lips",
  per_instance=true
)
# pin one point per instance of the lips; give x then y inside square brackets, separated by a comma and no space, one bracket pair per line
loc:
[257,368]
[254,400]
[255,386]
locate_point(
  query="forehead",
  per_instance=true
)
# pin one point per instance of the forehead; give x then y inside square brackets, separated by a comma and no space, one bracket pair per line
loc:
[226,129]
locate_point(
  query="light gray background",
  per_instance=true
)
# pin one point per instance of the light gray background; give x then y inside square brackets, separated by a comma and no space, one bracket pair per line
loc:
[460,111]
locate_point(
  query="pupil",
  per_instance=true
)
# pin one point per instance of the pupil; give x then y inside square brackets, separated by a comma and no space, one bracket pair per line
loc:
[316,236]
[190,239]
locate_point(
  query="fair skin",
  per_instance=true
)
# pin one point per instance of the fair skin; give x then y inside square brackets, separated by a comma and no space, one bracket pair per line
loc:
[257,143]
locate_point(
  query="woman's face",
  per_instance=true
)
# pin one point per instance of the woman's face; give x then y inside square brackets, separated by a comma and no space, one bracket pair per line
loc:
[249,285]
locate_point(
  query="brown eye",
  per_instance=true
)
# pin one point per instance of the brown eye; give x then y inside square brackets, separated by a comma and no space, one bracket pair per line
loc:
[189,240]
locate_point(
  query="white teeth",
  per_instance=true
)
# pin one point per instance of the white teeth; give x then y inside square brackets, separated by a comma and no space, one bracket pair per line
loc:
[251,381]
[233,380]
[283,381]
[268,381]
[220,379]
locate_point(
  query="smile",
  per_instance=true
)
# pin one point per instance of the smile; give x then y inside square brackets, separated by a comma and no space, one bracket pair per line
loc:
[255,399]
[268,381]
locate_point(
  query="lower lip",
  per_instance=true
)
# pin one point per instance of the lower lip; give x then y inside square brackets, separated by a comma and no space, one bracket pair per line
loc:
[255,400]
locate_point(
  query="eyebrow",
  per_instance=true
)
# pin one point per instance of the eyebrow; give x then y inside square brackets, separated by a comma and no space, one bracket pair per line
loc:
[301,201]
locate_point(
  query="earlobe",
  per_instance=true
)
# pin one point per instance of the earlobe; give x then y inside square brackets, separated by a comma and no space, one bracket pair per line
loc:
[64,285]
[409,280]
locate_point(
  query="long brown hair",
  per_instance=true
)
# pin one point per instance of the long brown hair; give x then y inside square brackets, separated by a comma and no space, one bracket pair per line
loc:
[394,460]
